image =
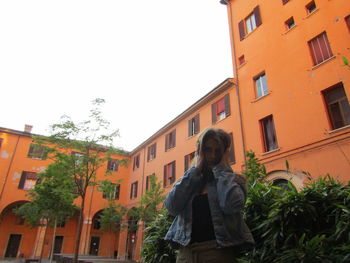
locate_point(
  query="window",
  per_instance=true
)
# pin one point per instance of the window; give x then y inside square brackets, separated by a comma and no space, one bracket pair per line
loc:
[311,7]
[169,174]
[148,182]
[193,126]
[337,106]
[37,151]
[136,162]
[232,156]
[261,87]
[28,180]
[114,195]
[289,23]
[320,48]
[249,23]
[61,224]
[188,160]
[285,1]
[241,60]
[96,221]
[151,152]
[133,190]
[170,140]
[112,165]
[269,134]
[78,158]
[347,21]
[221,109]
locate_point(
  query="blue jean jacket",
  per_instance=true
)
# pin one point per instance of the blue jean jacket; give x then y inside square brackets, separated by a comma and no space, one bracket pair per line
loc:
[226,196]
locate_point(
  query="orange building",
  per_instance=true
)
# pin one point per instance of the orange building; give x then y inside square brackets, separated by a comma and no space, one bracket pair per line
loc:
[289,101]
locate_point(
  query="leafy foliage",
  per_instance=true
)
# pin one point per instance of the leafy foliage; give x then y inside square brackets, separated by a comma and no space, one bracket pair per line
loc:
[154,248]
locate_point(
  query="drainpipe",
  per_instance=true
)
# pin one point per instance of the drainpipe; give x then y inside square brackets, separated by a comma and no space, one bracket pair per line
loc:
[227,2]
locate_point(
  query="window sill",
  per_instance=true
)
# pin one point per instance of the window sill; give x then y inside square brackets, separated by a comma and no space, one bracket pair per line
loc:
[257,99]
[288,30]
[323,62]
[272,151]
[240,66]
[310,14]
[339,129]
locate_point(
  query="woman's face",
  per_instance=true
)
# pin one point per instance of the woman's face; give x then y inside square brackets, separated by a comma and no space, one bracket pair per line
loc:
[213,152]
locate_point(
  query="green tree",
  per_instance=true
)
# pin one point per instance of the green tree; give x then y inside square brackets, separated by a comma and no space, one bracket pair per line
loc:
[83,147]
[51,199]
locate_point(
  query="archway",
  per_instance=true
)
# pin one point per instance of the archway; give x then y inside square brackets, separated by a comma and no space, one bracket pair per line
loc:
[281,178]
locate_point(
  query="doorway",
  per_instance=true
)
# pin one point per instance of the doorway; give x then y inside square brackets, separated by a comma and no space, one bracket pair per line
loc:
[94,245]
[58,244]
[13,246]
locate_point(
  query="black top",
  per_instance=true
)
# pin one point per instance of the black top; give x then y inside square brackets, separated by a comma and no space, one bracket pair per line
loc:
[202,224]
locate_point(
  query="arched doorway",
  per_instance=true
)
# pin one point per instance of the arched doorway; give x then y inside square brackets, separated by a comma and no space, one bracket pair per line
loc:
[17,239]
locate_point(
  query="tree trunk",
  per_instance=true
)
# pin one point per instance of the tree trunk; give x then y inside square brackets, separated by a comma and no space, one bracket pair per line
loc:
[80,228]
[53,240]
[42,247]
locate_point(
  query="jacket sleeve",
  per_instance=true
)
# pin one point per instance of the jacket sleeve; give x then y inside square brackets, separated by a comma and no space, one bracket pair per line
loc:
[231,191]
[180,195]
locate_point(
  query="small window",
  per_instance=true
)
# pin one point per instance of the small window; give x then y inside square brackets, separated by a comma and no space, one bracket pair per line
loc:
[170,140]
[311,7]
[169,174]
[320,48]
[136,163]
[250,23]
[337,106]
[261,87]
[188,160]
[241,60]
[133,190]
[151,152]
[347,21]
[37,151]
[28,180]
[114,195]
[289,23]
[221,109]
[193,126]
[269,134]
[112,165]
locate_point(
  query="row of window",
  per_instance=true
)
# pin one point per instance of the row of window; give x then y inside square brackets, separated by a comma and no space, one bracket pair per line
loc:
[220,110]
[338,110]
[319,46]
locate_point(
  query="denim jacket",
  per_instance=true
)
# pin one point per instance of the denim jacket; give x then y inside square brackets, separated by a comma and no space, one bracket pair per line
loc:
[226,197]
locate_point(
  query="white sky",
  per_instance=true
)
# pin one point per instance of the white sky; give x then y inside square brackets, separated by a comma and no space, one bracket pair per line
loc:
[149,59]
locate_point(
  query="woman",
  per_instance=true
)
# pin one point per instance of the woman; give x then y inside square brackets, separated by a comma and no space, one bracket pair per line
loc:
[207,203]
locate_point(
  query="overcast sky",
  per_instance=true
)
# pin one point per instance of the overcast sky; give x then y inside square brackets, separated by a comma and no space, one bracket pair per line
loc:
[149,59]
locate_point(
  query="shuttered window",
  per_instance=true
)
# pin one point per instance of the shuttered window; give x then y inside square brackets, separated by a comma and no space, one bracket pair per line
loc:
[320,48]
[112,165]
[269,134]
[136,163]
[133,190]
[37,151]
[337,106]
[221,109]
[169,174]
[232,156]
[114,194]
[193,126]
[170,140]
[188,160]
[151,152]
[250,23]
[28,180]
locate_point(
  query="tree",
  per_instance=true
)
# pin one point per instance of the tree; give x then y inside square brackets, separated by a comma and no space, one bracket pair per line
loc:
[83,147]
[51,199]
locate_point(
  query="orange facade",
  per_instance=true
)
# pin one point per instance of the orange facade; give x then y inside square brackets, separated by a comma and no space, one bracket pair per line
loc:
[289,101]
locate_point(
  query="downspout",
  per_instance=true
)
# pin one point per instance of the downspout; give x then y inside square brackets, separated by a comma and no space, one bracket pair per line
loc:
[8,170]
[227,2]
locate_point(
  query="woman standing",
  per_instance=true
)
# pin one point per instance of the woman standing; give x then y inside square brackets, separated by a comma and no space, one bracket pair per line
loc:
[207,203]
